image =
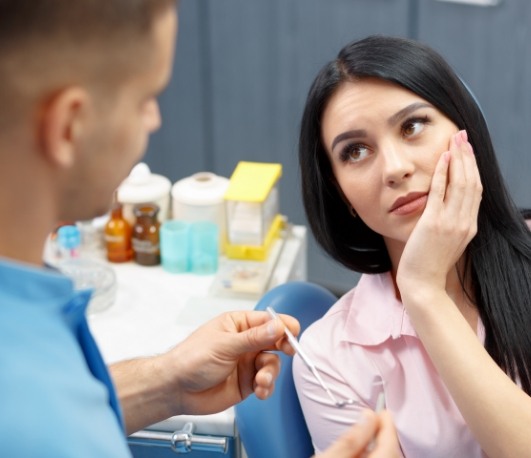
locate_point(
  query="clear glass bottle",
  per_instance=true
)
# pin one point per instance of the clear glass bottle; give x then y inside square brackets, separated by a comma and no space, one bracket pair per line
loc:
[118,234]
[146,234]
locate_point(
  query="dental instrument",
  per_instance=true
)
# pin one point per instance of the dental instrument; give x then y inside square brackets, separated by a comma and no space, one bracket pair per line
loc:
[297,347]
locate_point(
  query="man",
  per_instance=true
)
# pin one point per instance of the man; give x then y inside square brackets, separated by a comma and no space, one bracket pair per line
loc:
[79,81]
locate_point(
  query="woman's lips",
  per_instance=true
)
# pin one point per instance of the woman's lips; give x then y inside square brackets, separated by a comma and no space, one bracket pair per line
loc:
[409,204]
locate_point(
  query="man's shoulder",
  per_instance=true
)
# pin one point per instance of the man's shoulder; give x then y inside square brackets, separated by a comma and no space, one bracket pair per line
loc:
[51,403]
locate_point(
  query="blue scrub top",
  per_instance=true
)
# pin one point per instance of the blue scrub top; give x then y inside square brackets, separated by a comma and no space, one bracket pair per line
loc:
[56,395]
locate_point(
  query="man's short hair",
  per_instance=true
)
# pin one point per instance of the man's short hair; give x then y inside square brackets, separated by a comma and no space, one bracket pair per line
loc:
[77,40]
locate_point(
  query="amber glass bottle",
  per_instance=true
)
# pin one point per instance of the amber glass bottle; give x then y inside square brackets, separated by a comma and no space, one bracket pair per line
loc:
[146,237]
[118,234]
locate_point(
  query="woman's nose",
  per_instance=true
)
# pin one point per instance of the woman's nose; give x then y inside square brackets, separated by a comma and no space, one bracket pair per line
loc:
[397,165]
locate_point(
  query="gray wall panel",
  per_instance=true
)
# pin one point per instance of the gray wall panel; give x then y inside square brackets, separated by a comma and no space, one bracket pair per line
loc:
[179,148]
[264,57]
[491,48]
[243,68]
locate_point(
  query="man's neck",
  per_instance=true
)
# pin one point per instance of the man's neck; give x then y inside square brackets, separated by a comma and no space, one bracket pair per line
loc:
[23,231]
[27,208]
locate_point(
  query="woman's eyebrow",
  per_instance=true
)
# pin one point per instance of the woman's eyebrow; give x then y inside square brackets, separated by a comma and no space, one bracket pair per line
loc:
[394,119]
[348,134]
[404,112]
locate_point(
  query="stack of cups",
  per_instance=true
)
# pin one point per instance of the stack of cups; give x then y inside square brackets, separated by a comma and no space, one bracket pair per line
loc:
[193,240]
[189,246]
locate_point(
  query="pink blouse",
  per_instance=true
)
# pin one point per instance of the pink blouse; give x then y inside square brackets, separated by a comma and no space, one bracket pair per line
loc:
[366,344]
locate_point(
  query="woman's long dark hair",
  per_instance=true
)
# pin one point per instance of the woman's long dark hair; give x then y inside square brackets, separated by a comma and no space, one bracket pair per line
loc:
[499,256]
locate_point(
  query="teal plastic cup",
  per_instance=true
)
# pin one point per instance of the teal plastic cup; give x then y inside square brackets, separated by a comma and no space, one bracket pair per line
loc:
[204,253]
[175,246]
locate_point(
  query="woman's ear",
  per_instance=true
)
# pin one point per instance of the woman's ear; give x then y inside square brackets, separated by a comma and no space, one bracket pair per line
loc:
[63,121]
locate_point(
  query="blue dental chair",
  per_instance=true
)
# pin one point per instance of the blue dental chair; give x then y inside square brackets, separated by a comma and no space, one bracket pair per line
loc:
[275,428]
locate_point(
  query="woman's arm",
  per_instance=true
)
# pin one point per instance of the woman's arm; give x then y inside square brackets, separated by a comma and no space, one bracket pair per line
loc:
[497,411]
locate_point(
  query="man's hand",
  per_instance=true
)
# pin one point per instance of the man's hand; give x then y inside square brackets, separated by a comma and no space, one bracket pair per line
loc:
[226,360]
[217,366]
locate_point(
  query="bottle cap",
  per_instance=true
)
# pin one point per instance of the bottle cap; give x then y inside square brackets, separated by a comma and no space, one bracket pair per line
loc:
[69,237]
[149,210]
[143,186]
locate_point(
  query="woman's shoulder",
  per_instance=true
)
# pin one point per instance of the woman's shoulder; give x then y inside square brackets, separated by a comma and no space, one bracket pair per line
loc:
[337,313]
[329,324]
[360,311]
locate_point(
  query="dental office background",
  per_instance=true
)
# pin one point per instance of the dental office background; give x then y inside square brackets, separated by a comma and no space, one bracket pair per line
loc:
[243,69]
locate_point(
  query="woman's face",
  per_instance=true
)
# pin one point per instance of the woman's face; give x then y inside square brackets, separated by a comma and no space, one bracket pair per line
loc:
[383,142]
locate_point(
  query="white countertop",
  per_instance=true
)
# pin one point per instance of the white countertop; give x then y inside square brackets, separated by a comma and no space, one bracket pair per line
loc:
[154,310]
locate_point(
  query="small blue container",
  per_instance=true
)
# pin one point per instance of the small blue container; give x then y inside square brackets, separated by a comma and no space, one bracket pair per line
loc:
[204,253]
[175,246]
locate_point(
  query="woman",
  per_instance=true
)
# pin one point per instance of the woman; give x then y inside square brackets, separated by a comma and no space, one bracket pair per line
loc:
[400,182]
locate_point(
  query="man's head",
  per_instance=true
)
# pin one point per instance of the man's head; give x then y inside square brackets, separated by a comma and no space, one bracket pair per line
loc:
[79,85]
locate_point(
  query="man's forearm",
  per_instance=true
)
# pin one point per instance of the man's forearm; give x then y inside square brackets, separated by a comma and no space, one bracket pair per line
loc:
[145,395]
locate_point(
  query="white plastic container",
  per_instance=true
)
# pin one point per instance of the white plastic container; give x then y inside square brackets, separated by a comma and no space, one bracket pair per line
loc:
[200,198]
[142,186]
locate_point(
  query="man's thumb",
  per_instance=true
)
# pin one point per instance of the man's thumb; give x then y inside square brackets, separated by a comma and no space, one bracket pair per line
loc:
[259,338]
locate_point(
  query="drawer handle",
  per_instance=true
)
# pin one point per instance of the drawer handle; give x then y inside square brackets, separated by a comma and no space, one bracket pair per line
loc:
[184,441]
[475,2]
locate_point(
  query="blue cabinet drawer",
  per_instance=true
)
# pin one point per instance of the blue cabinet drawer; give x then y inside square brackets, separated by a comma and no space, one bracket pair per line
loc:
[184,442]
[146,448]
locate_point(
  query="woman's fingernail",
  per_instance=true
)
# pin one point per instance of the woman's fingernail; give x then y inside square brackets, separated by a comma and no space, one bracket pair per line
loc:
[464,136]
[458,139]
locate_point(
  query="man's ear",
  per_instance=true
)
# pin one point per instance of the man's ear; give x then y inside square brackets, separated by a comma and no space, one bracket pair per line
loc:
[64,119]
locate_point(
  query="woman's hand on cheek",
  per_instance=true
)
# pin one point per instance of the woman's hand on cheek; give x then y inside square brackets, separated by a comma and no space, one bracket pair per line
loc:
[448,223]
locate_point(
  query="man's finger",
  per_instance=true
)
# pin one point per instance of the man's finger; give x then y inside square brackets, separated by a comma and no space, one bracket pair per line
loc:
[387,440]
[355,440]
[266,336]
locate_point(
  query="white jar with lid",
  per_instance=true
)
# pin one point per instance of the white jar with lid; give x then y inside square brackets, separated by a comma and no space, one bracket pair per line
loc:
[142,186]
[200,198]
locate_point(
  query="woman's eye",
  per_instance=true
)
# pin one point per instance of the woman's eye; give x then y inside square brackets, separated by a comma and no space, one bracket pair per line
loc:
[354,153]
[413,127]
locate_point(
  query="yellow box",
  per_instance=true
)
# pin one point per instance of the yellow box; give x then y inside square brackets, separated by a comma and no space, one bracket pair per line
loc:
[252,210]
[256,252]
